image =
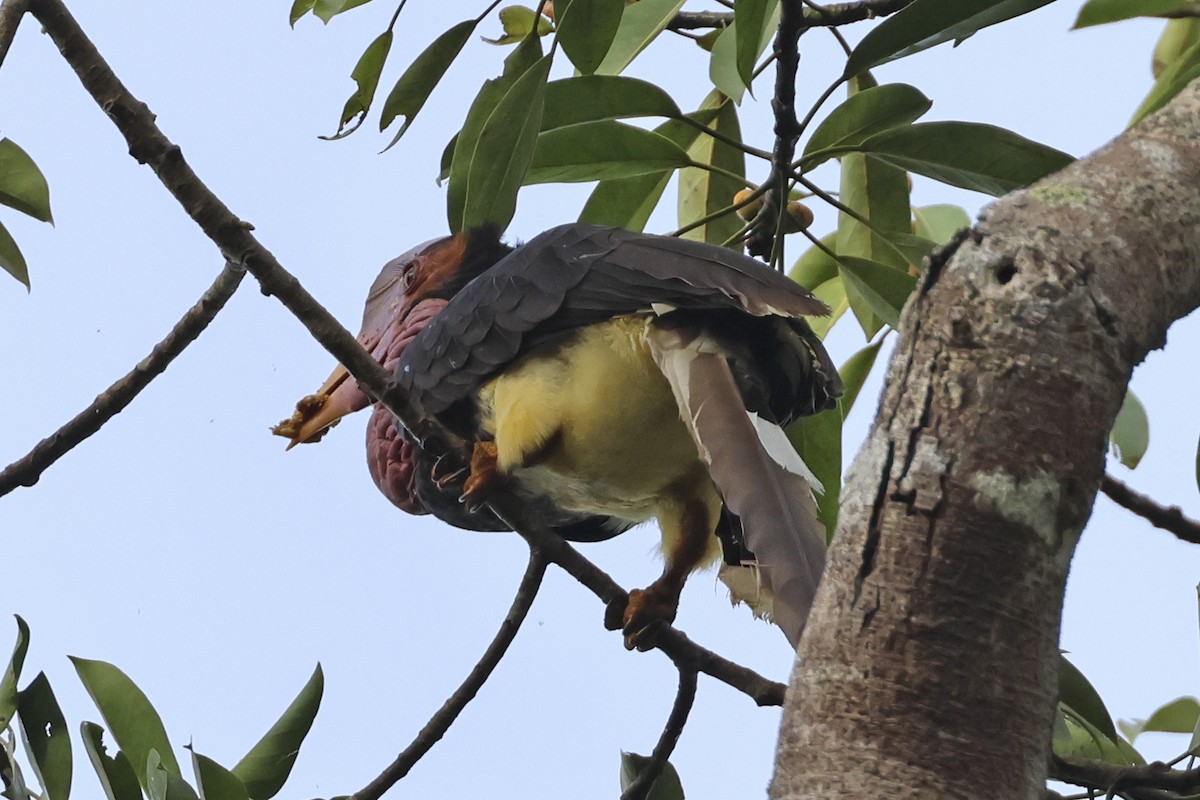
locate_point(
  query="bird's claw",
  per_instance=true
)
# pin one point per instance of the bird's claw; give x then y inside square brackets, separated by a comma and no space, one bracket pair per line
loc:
[483,478]
[644,616]
[447,472]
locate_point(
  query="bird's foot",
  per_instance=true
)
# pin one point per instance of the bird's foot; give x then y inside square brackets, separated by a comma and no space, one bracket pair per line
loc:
[643,618]
[483,478]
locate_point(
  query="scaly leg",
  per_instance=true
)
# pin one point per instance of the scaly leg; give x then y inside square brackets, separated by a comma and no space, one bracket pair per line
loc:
[688,543]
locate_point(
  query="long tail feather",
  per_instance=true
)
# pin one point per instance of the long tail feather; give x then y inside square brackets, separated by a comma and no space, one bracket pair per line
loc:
[773,500]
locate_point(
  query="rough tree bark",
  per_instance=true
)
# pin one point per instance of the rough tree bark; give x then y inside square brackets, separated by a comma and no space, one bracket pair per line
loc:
[928,668]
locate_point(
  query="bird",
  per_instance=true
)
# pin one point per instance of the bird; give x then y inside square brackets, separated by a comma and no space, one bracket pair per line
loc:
[605,377]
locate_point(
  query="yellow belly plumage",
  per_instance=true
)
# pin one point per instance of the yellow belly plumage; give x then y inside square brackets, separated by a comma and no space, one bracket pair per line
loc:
[594,426]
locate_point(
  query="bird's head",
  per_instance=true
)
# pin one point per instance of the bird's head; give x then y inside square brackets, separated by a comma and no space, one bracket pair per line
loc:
[408,293]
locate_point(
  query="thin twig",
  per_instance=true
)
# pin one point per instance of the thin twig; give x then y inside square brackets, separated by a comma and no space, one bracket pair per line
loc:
[1169,518]
[148,144]
[685,696]
[11,12]
[26,471]
[441,721]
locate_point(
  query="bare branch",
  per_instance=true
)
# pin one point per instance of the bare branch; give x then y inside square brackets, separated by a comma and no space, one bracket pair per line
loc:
[682,650]
[1169,518]
[148,144]
[765,239]
[685,696]
[11,12]
[441,721]
[829,16]
[1155,781]
[27,470]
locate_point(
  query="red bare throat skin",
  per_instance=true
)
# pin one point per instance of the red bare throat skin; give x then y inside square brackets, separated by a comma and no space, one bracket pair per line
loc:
[390,457]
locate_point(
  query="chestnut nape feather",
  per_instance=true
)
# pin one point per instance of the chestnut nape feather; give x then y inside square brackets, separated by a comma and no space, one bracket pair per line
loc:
[484,248]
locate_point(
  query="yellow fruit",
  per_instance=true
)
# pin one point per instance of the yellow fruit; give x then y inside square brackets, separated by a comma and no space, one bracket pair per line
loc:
[751,209]
[799,217]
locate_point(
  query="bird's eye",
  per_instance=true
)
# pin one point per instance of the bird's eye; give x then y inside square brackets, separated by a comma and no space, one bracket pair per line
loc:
[406,278]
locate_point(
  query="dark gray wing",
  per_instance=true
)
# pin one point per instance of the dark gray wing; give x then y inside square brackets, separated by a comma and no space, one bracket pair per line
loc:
[576,275]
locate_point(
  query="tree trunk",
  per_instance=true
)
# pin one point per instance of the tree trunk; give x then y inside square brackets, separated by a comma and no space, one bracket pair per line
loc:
[928,667]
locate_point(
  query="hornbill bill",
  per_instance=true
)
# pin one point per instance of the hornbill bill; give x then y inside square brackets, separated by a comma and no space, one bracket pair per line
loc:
[606,377]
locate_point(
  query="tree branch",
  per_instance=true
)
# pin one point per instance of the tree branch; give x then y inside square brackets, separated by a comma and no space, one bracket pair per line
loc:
[11,12]
[26,471]
[149,146]
[768,223]
[685,696]
[1155,781]
[1169,518]
[829,16]
[441,721]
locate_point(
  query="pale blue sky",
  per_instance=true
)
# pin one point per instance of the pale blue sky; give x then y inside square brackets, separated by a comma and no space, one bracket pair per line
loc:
[184,544]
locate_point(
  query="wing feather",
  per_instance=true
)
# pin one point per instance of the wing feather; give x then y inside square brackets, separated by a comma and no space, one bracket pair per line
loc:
[576,275]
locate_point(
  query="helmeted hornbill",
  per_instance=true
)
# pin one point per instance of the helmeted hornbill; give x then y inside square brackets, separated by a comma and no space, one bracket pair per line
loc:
[606,377]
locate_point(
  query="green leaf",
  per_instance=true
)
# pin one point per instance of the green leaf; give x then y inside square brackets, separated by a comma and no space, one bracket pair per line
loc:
[600,150]
[727,50]
[878,193]
[519,22]
[814,266]
[22,185]
[628,202]
[833,294]
[818,439]
[462,147]
[641,22]
[968,155]
[116,775]
[588,98]
[11,260]
[666,787]
[926,23]
[408,96]
[854,373]
[485,182]
[1100,12]
[163,784]
[326,10]
[366,75]
[703,192]
[1075,737]
[939,223]
[12,673]
[265,768]
[586,29]
[1130,437]
[299,9]
[751,20]
[885,289]
[45,732]
[1170,83]
[861,115]
[1178,716]
[1077,693]
[134,723]
[1177,36]
[214,782]
[16,788]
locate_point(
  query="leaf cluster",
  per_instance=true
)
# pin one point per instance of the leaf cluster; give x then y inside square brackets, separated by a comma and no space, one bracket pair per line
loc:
[145,763]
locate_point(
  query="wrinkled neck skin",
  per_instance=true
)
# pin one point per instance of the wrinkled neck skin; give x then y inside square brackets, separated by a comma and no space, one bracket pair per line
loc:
[392,456]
